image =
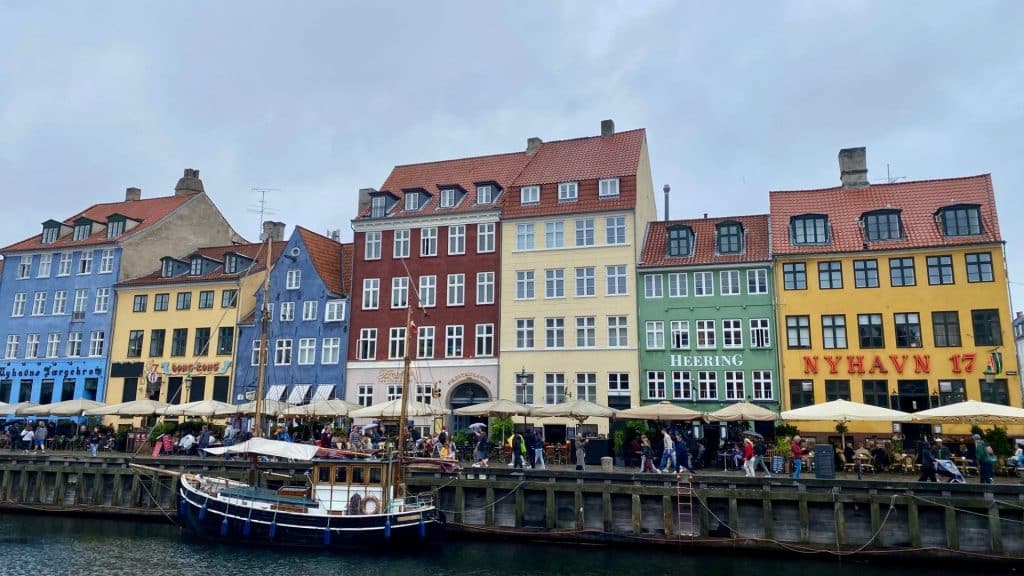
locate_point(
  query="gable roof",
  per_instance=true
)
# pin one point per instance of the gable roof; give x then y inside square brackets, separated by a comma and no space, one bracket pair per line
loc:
[918,202]
[256,251]
[147,211]
[327,257]
[755,242]
[584,158]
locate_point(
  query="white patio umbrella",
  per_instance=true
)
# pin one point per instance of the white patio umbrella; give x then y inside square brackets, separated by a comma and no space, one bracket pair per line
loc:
[845,411]
[743,412]
[268,407]
[392,409]
[663,411]
[198,408]
[19,408]
[970,412]
[578,410]
[66,408]
[495,408]
[144,407]
[333,407]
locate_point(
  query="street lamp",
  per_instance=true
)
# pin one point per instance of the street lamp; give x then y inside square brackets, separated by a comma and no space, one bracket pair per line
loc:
[188,389]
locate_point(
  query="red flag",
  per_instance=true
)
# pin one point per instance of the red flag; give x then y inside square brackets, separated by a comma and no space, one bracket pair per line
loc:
[412,326]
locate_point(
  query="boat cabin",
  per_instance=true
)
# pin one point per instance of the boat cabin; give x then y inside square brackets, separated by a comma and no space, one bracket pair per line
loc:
[352,487]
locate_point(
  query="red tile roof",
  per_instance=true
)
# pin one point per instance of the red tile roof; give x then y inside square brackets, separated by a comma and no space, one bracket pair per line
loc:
[655,251]
[918,202]
[328,257]
[148,212]
[255,251]
[584,158]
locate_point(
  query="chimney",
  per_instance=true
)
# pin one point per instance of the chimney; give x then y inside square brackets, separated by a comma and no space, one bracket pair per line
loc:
[607,127]
[1020,314]
[189,183]
[273,230]
[132,194]
[364,198]
[853,167]
[666,188]
[532,145]
[334,234]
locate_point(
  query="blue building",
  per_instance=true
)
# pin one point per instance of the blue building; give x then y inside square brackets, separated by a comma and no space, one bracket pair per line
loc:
[57,296]
[308,332]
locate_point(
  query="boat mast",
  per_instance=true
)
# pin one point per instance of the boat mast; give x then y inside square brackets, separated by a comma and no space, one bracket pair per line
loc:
[399,471]
[261,374]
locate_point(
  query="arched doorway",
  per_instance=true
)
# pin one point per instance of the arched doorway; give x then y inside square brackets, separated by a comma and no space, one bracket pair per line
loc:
[466,394]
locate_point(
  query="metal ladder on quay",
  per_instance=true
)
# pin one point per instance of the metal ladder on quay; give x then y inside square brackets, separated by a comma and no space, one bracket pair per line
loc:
[684,507]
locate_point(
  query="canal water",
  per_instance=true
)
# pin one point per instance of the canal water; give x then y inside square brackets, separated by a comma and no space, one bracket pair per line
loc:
[38,545]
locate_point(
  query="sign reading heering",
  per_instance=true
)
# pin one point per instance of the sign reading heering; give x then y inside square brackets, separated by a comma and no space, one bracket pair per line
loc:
[706,361]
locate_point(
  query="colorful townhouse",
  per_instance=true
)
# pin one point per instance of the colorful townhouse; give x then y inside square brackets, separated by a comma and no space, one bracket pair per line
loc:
[574,221]
[176,330]
[428,243]
[308,331]
[706,318]
[892,294]
[58,293]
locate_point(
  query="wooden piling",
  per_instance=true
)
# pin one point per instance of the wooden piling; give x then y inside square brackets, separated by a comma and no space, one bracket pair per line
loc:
[637,516]
[995,530]
[606,510]
[460,504]
[489,503]
[913,523]
[520,507]
[550,511]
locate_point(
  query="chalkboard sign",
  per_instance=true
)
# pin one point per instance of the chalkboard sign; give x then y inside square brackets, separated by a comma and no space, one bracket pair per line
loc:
[778,464]
[824,461]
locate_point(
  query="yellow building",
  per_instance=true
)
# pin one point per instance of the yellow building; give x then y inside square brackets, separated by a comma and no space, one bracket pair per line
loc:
[894,295]
[572,226]
[175,329]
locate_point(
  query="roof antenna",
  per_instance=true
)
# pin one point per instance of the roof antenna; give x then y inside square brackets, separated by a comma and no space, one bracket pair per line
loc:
[889,178]
[262,207]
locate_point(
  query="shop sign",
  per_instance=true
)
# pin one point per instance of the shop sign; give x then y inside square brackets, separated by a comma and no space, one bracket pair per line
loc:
[897,364]
[706,361]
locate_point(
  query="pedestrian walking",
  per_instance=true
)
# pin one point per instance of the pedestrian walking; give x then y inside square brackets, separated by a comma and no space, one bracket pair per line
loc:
[668,452]
[797,452]
[981,455]
[28,436]
[647,455]
[518,450]
[759,452]
[683,455]
[538,450]
[748,458]
[927,462]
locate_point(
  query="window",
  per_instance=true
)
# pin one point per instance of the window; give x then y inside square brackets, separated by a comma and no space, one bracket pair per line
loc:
[529,195]
[485,194]
[45,262]
[730,238]
[901,272]
[757,281]
[85,262]
[705,334]
[205,299]
[197,267]
[156,342]
[11,351]
[615,230]
[60,299]
[19,304]
[456,289]
[653,285]
[524,333]
[81,298]
[50,234]
[485,287]
[963,220]
[876,392]
[869,329]
[801,393]
[448,196]
[760,335]
[225,340]
[32,346]
[413,201]
[425,342]
[428,241]
[946,326]
[371,251]
[680,241]
[616,276]
[367,345]
[618,384]
[730,280]
[524,388]
[282,351]
[75,344]
[586,282]
[761,381]
[979,267]
[655,334]
[618,332]
[524,285]
[400,249]
[484,340]
[400,292]
[139,303]
[940,270]
[39,302]
[865,273]
[524,236]
[554,332]
[678,286]
[427,292]
[97,339]
[882,225]
[608,187]
[106,261]
[53,345]
[707,385]
[396,343]
[680,330]
[167,268]
[837,390]
[908,329]
[457,239]
[24,267]
[201,346]
[586,332]
[554,283]
[554,234]
[655,385]
[102,300]
[64,267]
[554,388]
[735,385]
[987,331]
[996,392]
[798,331]
[830,275]
[135,343]
[371,293]
[567,191]
[453,341]
[682,386]
[732,333]
[287,311]
[309,310]
[334,311]
[82,231]
[230,264]
[365,395]
[833,331]
[809,229]
[585,232]
[184,300]
[394,392]
[704,283]
[378,207]
[160,302]
[485,238]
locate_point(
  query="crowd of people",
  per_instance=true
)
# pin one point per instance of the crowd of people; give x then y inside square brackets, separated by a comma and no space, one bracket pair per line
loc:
[37,437]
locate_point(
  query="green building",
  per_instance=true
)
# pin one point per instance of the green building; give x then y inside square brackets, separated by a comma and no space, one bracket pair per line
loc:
[706,333]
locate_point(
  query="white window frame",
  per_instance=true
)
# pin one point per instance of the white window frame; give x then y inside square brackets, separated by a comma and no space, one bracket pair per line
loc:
[39,302]
[680,333]
[654,286]
[24,267]
[655,384]
[413,201]
[485,237]
[617,283]
[456,290]
[703,284]
[568,191]
[282,352]
[760,381]
[678,285]
[428,241]
[371,293]
[484,340]
[20,302]
[554,283]
[11,351]
[729,283]
[106,261]
[524,388]
[529,195]
[428,291]
[396,343]
[682,385]
[618,331]
[60,303]
[400,292]
[64,266]
[454,340]
[364,396]
[309,310]
[706,332]
[554,387]
[760,333]
[102,302]
[400,245]
[448,197]
[330,350]
[456,239]
[366,346]
[757,278]
[607,187]
[584,232]
[45,264]
[586,278]
[485,194]
[615,231]
[554,333]
[586,332]
[85,263]
[53,345]
[618,384]
[293,279]
[425,341]
[484,288]
[334,311]
[734,378]
[97,342]
[707,385]
[732,329]
[307,352]
[586,386]
[287,311]
[32,345]
[655,330]
[525,285]
[525,236]
[554,234]
[74,345]
[525,334]
[372,245]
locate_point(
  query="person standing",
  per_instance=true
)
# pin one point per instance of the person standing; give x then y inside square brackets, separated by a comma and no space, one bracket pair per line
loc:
[981,455]
[538,450]
[939,451]
[796,451]
[528,440]
[748,458]
[94,442]
[518,450]
[927,461]
[40,437]
[668,452]
[647,455]
[204,441]
[27,438]
[581,453]
[683,455]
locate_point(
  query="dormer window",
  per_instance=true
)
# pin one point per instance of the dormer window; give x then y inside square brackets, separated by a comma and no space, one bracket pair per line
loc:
[568,191]
[529,195]
[447,197]
[51,234]
[730,238]
[608,187]
[882,225]
[82,231]
[413,201]
[115,227]
[485,194]
[680,241]
[378,207]
[197,267]
[960,220]
[809,229]
[167,268]
[230,264]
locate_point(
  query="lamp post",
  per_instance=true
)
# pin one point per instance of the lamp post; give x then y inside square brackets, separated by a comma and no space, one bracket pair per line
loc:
[521,379]
[188,389]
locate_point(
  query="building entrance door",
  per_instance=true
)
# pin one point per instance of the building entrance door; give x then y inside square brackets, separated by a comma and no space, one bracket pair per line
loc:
[912,397]
[466,394]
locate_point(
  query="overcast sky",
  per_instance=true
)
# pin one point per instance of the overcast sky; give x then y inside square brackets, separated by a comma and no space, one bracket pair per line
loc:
[317,100]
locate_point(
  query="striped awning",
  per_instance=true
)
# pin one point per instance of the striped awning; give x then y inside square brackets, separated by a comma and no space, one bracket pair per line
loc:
[276,391]
[323,392]
[298,393]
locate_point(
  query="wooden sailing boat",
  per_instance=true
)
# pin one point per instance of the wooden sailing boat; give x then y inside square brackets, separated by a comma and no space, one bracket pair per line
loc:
[349,499]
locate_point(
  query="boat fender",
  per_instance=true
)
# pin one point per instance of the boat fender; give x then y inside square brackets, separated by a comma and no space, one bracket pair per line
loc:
[202,511]
[224,527]
[327,536]
[273,529]
[370,505]
[247,529]
[387,529]
[423,528]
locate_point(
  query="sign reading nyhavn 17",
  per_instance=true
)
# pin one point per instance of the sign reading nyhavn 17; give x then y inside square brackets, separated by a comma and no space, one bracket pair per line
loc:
[896,363]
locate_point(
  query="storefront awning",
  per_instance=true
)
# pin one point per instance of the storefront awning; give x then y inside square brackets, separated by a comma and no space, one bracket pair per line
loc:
[323,392]
[298,393]
[276,391]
